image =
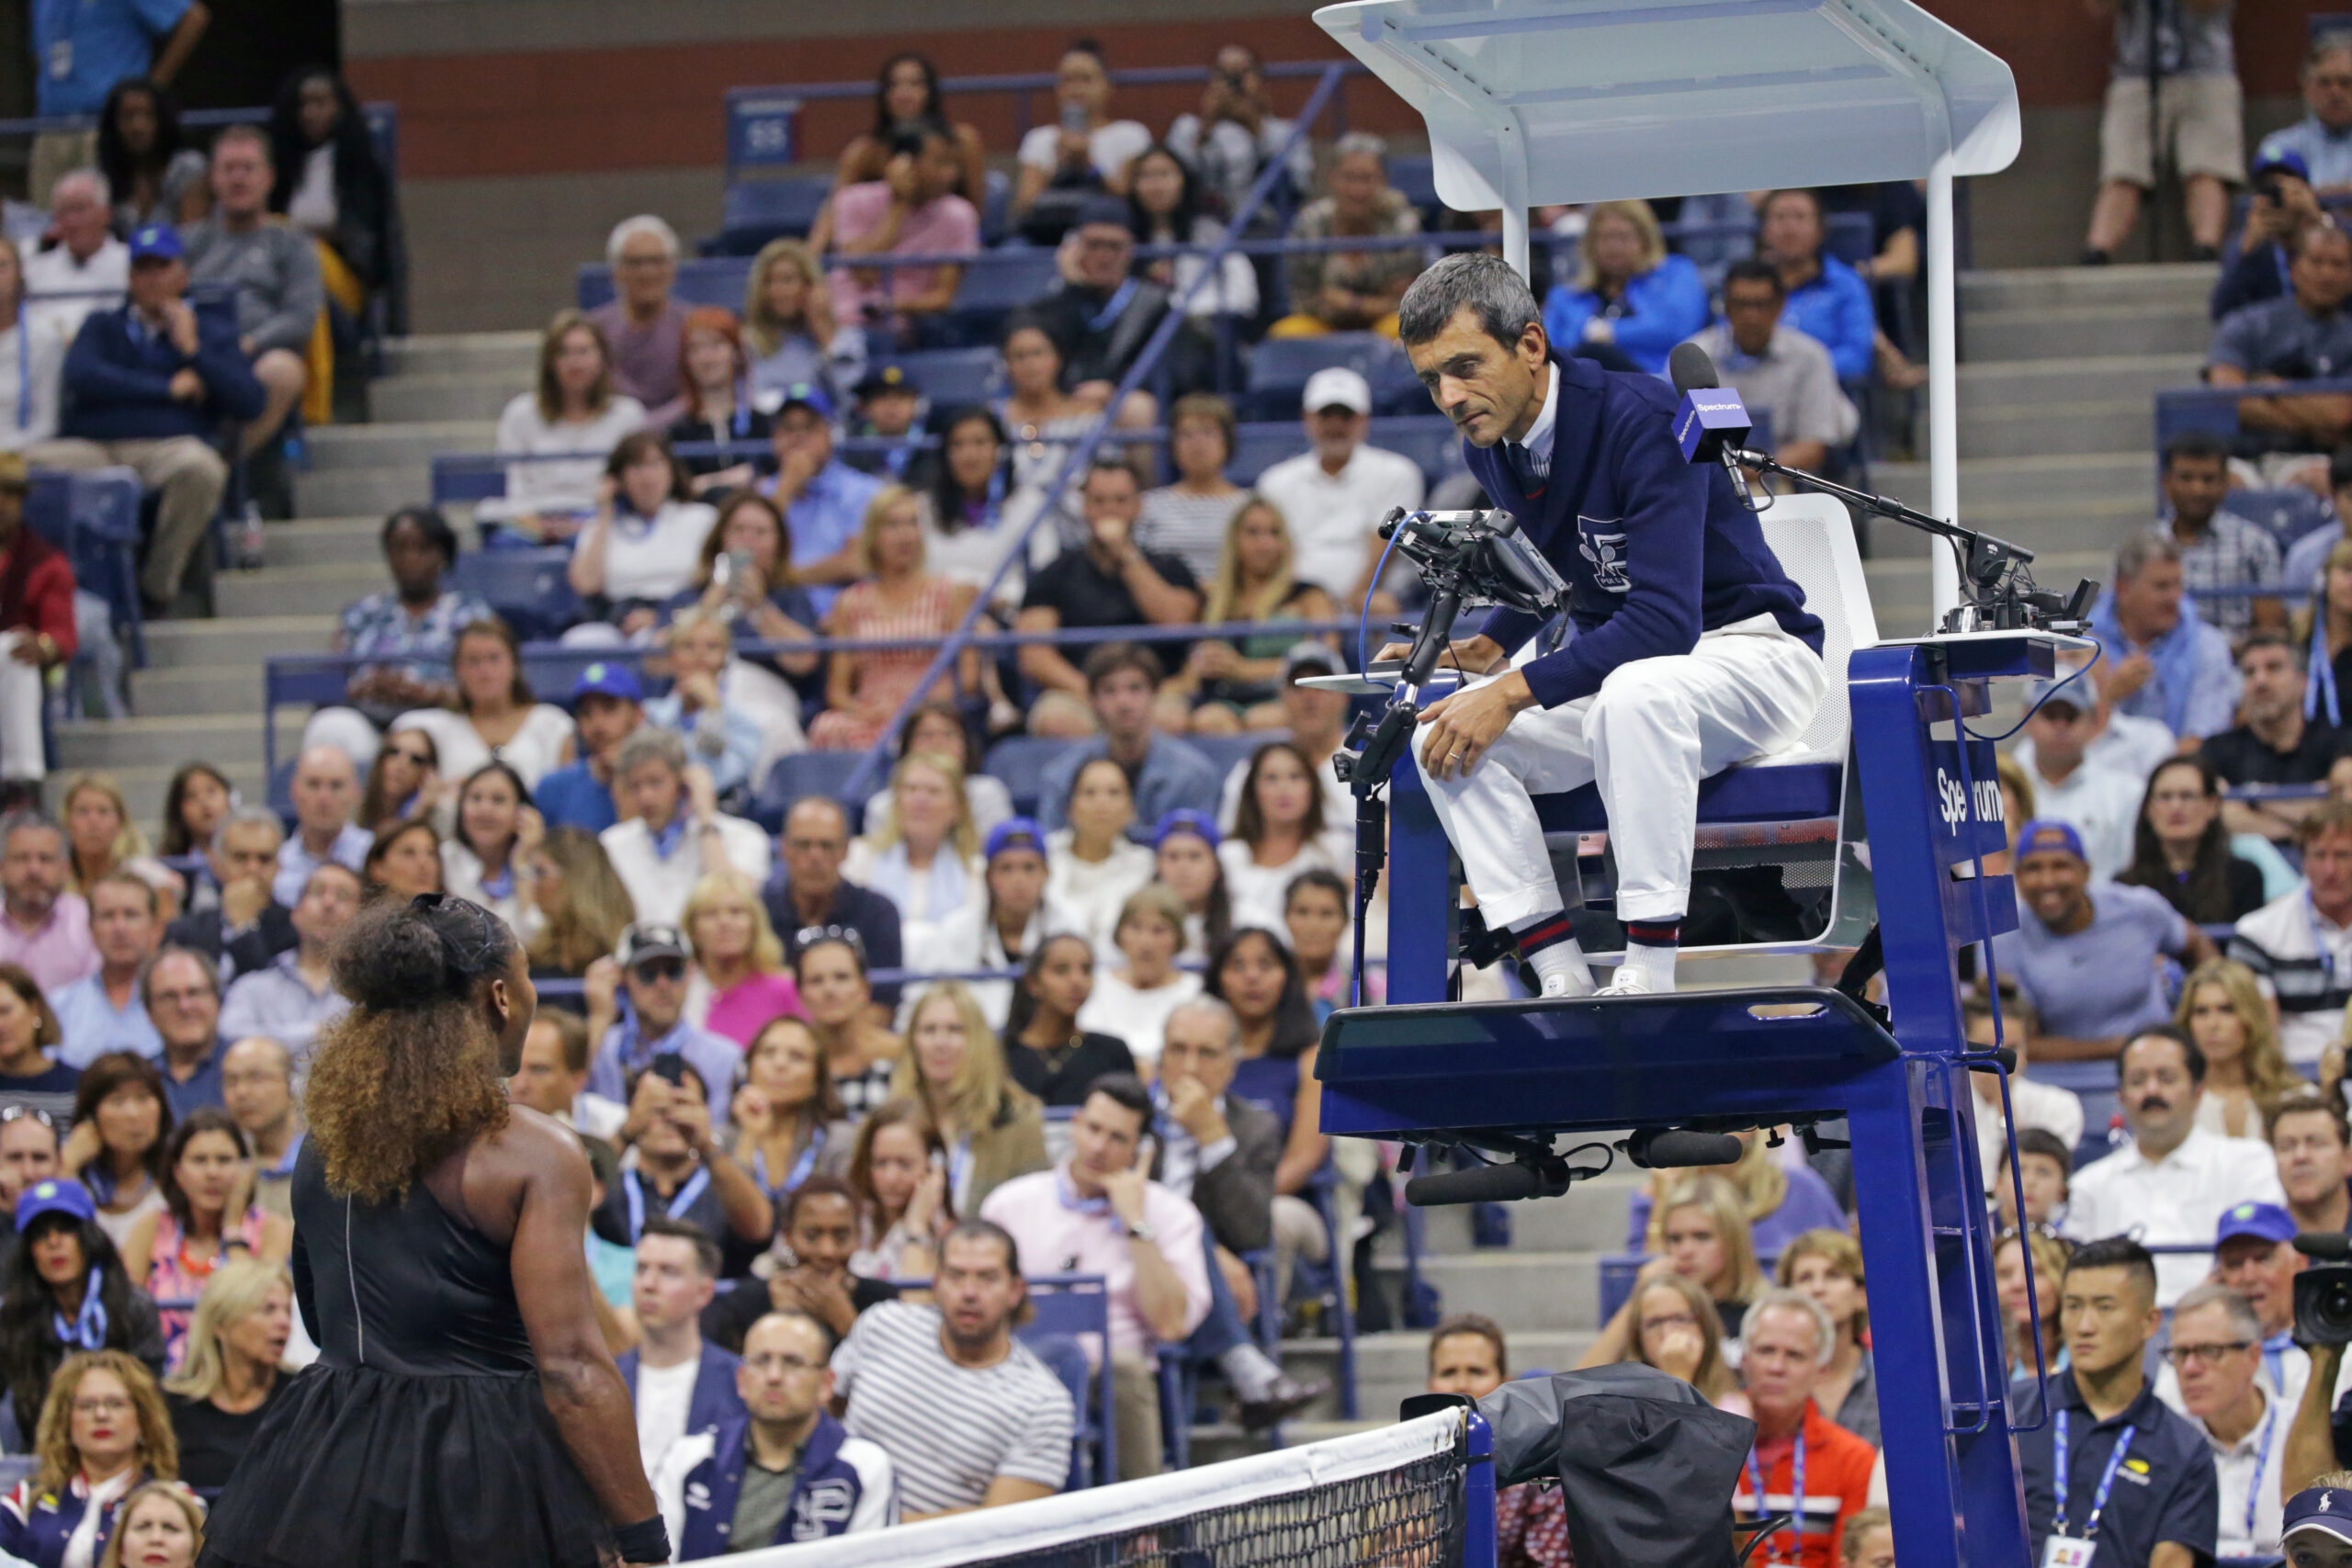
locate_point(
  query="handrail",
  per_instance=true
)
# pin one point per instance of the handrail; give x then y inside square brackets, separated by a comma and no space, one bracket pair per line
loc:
[1083,454]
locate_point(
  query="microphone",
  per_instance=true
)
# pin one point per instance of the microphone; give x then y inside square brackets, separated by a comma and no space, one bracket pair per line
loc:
[2327,1246]
[1479,1184]
[1711,423]
[1666,1148]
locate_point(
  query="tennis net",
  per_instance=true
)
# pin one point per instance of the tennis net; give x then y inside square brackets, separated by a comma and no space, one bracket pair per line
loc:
[1398,1497]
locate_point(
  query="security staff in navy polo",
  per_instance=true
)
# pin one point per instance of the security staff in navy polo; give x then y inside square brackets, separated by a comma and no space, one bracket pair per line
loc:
[1693,649]
[2135,1486]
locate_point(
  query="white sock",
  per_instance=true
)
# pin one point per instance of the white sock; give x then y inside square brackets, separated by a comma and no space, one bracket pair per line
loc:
[1564,960]
[1251,1371]
[1653,966]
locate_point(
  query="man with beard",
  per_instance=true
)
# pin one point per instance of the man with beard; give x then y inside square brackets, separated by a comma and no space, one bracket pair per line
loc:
[2172,1184]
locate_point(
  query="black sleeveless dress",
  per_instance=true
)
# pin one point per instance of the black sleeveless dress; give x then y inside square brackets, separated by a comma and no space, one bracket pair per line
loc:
[420,1438]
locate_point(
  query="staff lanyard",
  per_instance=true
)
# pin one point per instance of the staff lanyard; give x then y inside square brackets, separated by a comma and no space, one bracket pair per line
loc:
[2261,1463]
[24,373]
[633,1186]
[2105,1480]
[1796,1508]
[801,1166]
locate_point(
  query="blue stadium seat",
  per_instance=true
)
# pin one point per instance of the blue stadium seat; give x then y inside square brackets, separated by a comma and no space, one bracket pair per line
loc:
[1848,237]
[999,283]
[2289,515]
[1278,374]
[707,280]
[530,589]
[1415,178]
[953,376]
[1225,752]
[1020,762]
[996,208]
[753,212]
[1067,1306]
[92,516]
[805,773]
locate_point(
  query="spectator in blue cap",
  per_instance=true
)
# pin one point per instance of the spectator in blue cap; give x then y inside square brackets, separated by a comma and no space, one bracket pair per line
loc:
[66,1290]
[823,499]
[2085,954]
[889,401]
[2254,1255]
[1007,925]
[150,384]
[607,704]
[2282,206]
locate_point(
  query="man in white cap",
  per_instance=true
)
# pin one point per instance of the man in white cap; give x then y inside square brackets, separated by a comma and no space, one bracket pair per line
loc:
[1334,495]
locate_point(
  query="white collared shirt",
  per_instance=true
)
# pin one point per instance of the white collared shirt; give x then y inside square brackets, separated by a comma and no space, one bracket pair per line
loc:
[1333,517]
[2251,1465]
[1538,443]
[2175,1199]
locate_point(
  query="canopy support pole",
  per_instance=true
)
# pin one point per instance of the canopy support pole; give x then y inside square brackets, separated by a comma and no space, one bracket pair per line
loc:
[1943,381]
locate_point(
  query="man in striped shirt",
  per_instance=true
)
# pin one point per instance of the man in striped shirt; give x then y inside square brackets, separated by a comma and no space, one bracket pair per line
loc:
[2300,942]
[969,1417]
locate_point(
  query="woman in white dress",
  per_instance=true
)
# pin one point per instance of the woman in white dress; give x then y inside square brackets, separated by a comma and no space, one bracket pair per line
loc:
[495,715]
[1091,866]
[1133,999]
[644,547]
[927,860]
[1278,831]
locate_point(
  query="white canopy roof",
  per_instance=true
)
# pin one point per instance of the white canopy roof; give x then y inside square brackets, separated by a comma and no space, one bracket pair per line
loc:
[1590,100]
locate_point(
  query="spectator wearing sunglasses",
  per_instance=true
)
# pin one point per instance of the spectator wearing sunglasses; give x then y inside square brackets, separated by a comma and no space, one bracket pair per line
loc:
[649,975]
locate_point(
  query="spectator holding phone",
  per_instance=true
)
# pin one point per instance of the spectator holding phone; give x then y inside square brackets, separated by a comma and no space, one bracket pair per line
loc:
[1084,151]
[682,1170]
[2281,207]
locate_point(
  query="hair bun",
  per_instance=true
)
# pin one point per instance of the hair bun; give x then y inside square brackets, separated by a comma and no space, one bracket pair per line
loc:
[394,963]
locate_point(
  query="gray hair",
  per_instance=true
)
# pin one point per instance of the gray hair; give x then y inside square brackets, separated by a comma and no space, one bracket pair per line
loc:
[246,817]
[2244,1322]
[628,229]
[247,132]
[1488,285]
[82,179]
[1214,1008]
[1360,144]
[650,743]
[2142,551]
[2330,40]
[1785,1300]
[16,822]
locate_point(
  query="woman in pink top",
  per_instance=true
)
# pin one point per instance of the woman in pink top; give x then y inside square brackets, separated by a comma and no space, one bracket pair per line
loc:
[208,1217]
[897,598]
[741,979]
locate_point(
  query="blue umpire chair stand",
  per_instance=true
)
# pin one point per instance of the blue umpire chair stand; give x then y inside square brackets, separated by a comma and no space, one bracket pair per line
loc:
[1881,814]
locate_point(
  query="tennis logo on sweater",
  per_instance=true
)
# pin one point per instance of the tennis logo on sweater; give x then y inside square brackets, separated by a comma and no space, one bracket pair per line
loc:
[1605,553]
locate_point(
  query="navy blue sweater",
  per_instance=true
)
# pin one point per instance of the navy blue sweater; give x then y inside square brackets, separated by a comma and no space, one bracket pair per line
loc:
[118,380]
[1656,550]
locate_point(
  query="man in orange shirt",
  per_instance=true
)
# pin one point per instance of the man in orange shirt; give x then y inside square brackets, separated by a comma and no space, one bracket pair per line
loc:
[1803,1463]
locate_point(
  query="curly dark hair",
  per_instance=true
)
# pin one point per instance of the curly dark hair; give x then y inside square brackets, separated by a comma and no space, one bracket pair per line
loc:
[411,1074]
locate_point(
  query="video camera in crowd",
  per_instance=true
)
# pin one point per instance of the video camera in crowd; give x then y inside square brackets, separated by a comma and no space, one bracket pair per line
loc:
[2323,1290]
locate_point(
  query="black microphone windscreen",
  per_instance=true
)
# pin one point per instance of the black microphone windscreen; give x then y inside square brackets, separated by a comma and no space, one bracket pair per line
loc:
[2328,1246]
[1690,366]
[1480,1184]
[1674,1148]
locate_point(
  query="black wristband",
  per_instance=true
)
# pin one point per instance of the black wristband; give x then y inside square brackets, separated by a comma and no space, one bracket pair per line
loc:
[647,1540]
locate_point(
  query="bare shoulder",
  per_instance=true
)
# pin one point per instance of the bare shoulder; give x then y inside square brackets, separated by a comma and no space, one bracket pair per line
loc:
[533,1154]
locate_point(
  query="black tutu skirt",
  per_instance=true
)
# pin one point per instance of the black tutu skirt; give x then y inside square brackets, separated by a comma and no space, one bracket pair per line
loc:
[365,1468]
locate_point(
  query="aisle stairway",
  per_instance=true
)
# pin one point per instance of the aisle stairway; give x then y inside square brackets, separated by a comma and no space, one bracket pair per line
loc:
[2055,419]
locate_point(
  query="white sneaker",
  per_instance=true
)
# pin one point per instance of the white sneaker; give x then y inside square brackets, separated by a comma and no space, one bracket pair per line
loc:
[1573,982]
[1627,983]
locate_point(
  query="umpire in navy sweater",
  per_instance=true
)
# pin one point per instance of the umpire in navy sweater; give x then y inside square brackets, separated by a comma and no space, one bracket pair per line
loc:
[1692,650]
[152,386]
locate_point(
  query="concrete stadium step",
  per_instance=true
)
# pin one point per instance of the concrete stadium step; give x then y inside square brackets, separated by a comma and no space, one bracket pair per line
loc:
[360,492]
[2075,332]
[326,541]
[145,784]
[245,640]
[512,356]
[2006,383]
[2089,427]
[2177,289]
[166,692]
[163,741]
[322,589]
[1523,1291]
[401,398]
[414,444]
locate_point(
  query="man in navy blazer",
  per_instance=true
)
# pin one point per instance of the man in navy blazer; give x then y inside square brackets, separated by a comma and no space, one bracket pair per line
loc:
[679,1384]
[152,385]
[1692,650]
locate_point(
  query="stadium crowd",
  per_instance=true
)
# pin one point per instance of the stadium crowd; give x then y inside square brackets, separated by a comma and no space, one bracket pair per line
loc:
[863,1083]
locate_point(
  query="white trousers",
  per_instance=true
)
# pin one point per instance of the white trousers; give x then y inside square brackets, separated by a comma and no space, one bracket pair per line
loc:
[21,695]
[1656,727]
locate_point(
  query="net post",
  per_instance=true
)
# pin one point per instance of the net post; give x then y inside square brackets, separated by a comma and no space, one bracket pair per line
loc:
[1478,1494]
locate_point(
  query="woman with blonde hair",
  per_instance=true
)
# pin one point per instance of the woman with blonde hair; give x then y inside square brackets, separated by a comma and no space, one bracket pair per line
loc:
[161,1525]
[1827,1266]
[103,1432]
[993,1129]
[572,411]
[2223,1009]
[1701,1232]
[2013,1250]
[1627,288]
[1236,686]
[1676,1329]
[926,858]
[236,1368]
[740,980]
[790,329]
[99,834]
[897,598]
[584,906]
[787,1118]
